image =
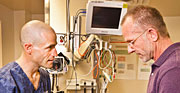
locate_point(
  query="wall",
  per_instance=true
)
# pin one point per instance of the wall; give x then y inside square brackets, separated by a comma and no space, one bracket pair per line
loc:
[0,45]
[12,22]
[19,21]
[127,86]
[140,86]
[20,18]
[38,17]
[58,15]
[58,23]
[118,85]
[7,21]
[173,25]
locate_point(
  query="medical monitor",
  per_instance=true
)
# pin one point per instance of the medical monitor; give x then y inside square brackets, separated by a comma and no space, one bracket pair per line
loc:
[104,17]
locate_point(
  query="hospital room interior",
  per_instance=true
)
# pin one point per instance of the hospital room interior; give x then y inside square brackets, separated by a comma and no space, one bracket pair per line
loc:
[90,59]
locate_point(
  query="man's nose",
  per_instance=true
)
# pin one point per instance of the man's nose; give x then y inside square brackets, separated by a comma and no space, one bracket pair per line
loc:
[130,49]
[54,52]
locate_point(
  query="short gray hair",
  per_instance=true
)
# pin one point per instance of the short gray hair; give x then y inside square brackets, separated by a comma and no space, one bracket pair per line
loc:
[145,16]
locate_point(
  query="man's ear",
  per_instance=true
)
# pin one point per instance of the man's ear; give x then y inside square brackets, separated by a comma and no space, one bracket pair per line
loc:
[28,48]
[153,34]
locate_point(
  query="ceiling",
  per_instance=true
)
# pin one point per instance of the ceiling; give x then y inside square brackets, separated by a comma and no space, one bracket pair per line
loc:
[166,7]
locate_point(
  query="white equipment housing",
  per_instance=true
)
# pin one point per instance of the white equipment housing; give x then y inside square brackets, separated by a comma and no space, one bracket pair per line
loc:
[104,17]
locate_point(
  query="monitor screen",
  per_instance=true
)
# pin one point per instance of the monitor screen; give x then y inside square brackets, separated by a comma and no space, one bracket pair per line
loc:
[106,17]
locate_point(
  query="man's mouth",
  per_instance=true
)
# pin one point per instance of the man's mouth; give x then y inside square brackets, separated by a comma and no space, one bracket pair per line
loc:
[50,61]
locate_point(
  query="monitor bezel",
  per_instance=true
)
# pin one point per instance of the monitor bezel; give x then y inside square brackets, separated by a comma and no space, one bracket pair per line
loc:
[109,31]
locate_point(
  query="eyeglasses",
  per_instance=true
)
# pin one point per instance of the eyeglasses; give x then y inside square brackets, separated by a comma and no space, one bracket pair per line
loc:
[133,41]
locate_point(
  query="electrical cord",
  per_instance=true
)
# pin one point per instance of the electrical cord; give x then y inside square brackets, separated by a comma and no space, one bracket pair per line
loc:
[78,12]
[57,83]
[87,52]
[52,82]
[109,61]
[68,82]
[79,51]
[73,49]
[91,69]
[68,24]
[96,66]
[108,69]
[74,26]
[73,62]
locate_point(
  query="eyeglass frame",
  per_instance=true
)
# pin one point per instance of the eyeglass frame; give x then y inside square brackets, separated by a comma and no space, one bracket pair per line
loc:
[131,43]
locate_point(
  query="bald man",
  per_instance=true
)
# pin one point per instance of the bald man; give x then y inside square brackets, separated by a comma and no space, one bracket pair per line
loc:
[38,41]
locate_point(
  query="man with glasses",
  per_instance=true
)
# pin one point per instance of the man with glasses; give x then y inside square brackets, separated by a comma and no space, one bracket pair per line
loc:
[145,31]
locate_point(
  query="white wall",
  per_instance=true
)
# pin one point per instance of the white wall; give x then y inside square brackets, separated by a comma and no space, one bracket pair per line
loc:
[58,15]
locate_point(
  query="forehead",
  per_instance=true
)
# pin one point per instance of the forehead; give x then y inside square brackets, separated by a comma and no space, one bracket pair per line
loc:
[48,38]
[130,29]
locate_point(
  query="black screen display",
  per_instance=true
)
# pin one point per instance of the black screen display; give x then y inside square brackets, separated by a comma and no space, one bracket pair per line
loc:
[106,17]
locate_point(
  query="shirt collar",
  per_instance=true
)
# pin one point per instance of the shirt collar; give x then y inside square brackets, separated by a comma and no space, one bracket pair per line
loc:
[165,54]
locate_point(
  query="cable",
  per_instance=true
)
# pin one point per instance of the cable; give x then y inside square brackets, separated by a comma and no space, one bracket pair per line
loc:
[84,87]
[57,83]
[76,17]
[74,26]
[52,82]
[69,81]
[84,52]
[88,72]
[92,89]
[75,21]
[68,24]
[96,66]
[73,51]
[78,12]
[108,69]
[73,62]
[109,61]
[74,34]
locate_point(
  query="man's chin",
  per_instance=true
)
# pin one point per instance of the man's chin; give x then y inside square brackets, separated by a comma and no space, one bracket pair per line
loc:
[144,59]
[48,66]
